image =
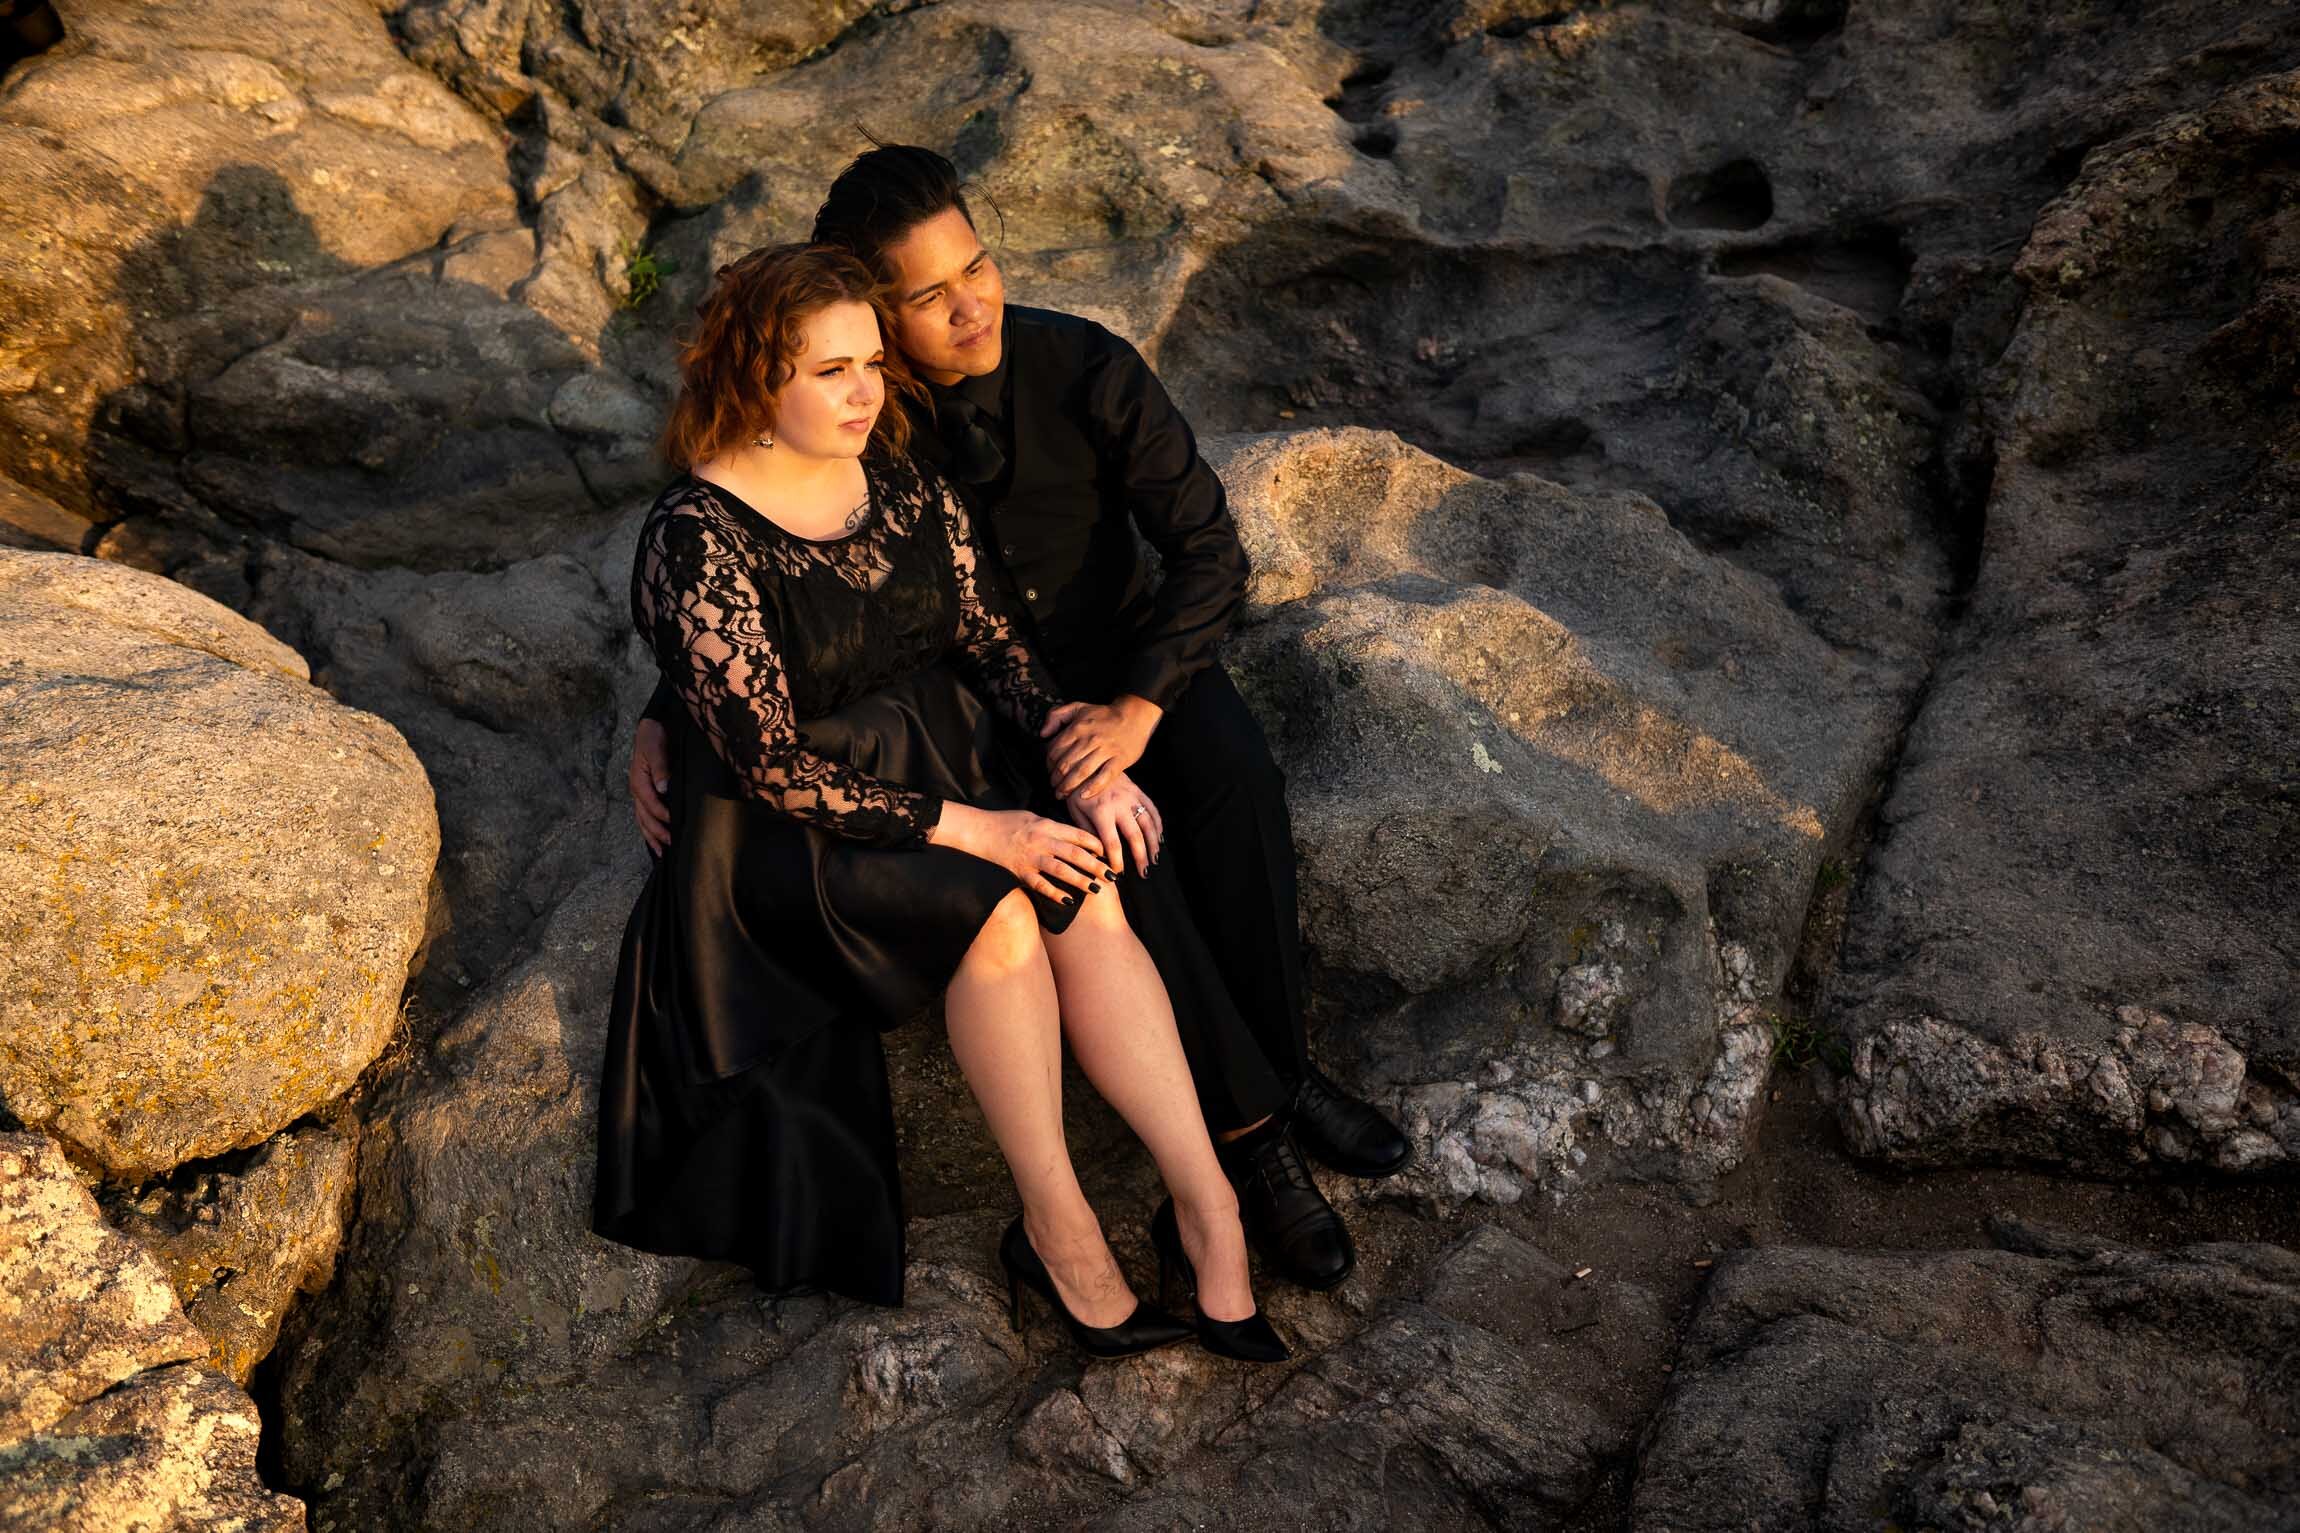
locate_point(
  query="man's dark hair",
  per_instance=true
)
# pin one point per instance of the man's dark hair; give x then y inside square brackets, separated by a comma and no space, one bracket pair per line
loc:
[884,193]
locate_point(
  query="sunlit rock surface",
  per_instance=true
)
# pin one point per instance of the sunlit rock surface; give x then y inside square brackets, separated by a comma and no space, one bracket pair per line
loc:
[108,1416]
[241,1240]
[1561,783]
[214,875]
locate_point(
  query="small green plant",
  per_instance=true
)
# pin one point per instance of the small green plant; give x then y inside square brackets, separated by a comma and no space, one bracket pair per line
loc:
[1832,875]
[643,273]
[1797,1043]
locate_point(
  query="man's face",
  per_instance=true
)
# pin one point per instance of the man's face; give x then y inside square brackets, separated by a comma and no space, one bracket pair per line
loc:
[949,301]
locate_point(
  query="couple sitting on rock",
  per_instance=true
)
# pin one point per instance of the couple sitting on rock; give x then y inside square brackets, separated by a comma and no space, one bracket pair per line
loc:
[929,730]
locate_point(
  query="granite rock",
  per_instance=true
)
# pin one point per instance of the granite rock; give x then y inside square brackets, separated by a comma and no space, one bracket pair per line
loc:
[1561,783]
[107,1418]
[243,1238]
[2098,1387]
[2072,943]
[200,941]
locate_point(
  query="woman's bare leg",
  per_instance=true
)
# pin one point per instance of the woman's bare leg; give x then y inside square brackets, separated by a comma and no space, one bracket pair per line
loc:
[1006,1033]
[1121,1028]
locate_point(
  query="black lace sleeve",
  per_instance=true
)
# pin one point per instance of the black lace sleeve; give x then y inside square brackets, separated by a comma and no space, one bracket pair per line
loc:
[996,657]
[696,605]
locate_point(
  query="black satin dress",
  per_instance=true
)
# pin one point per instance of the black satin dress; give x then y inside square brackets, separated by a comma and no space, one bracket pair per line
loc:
[836,693]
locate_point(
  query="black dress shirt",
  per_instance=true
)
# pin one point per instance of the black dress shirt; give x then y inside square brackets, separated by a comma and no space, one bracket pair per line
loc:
[1082,448]
[1087,449]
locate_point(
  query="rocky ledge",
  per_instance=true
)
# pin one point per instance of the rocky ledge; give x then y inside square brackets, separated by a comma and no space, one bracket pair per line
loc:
[1714,467]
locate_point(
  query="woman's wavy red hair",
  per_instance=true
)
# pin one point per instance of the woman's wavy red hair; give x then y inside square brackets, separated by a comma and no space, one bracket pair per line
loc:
[745,341]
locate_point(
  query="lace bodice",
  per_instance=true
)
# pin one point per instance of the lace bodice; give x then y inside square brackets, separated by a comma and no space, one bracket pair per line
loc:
[758,629]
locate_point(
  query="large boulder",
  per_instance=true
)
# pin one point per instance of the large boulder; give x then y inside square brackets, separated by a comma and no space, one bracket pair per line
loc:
[215,877]
[2073,942]
[415,416]
[272,281]
[106,1418]
[1561,785]
[2058,1384]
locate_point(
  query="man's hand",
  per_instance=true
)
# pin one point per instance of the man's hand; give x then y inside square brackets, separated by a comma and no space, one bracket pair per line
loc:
[1124,819]
[1094,742]
[650,779]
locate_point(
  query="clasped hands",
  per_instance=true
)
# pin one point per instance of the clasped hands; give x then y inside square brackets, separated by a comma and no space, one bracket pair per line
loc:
[1089,748]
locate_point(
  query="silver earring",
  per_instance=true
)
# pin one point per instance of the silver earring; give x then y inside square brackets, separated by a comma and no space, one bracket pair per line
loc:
[762,441]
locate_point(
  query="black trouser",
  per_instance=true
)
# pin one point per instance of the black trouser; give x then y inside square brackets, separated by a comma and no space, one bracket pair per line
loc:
[1218,914]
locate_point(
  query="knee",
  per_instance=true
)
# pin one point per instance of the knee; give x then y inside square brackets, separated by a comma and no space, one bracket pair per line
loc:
[1102,912]
[1009,938]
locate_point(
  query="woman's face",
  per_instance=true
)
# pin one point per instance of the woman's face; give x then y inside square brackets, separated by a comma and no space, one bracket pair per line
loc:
[836,388]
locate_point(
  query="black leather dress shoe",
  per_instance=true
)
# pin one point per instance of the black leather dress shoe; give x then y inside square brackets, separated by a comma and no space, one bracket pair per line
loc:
[1288,1221]
[1345,1133]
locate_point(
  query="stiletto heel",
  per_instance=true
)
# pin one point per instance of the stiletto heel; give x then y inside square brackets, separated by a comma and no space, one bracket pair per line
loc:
[1147,1327]
[1251,1340]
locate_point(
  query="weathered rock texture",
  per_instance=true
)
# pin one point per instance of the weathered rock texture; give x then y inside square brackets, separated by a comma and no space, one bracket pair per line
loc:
[1468,1406]
[2119,1390]
[2076,943]
[106,1420]
[214,873]
[472,1276]
[694,1404]
[241,1239]
[165,160]
[30,520]
[1560,782]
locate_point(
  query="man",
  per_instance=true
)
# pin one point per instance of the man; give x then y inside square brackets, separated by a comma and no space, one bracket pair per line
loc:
[1063,444]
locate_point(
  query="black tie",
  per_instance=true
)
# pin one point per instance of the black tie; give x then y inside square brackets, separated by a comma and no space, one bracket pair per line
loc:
[974,455]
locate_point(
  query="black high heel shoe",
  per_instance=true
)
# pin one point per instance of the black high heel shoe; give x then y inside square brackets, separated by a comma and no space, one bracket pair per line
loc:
[1250,1340]
[1147,1328]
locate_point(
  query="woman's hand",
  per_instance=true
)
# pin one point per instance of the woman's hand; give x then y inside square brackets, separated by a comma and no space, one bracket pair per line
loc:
[1121,817]
[1059,861]
[650,779]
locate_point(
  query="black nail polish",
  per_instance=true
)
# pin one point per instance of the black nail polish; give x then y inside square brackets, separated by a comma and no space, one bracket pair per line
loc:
[1093,888]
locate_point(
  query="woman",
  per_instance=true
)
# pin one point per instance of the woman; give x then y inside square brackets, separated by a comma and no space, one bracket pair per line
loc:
[857,839]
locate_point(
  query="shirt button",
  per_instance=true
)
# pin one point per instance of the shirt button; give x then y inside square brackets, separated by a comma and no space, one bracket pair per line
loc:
[1031,594]
[1007,549]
